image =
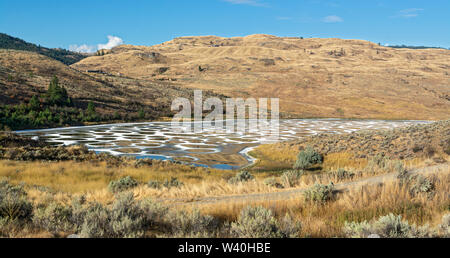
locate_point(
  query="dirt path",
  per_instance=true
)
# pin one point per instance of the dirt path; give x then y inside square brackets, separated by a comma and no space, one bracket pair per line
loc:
[286,195]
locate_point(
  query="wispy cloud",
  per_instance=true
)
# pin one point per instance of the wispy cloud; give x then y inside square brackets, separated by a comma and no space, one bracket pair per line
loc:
[248,2]
[82,48]
[409,13]
[113,41]
[332,19]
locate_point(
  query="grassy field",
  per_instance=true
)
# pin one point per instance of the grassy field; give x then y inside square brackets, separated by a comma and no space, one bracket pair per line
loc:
[41,197]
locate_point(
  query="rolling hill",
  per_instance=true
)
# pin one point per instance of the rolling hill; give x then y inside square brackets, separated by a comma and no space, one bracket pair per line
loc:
[25,74]
[312,77]
[62,55]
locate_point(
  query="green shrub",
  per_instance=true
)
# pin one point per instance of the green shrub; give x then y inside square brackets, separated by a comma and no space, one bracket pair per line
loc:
[192,225]
[308,158]
[291,178]
[319,193]
[123,184]
[258,222]
[54,218]
[14,204]
[389,226]
[243,176]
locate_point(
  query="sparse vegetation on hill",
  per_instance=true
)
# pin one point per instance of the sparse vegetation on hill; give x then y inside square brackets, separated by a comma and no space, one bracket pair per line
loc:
[24,76]
[312,77]
[409,143]
[62,55]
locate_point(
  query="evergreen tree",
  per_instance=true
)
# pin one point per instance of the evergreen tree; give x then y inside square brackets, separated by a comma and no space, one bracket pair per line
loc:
[57,95]
[141,114]
[90,109]
[34,103]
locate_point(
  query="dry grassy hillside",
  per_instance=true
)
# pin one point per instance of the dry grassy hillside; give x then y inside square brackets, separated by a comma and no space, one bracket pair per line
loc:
[24,74]
[312,77]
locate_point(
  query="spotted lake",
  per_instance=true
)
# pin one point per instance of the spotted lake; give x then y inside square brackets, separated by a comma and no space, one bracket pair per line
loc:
[210,148]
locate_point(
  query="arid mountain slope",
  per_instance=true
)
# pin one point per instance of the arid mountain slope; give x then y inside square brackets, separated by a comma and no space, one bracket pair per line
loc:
[24,74]
[64,56]
[312,77]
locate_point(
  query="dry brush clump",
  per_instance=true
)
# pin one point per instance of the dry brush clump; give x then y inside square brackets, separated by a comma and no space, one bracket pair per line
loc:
[259,222]
[243,176]
[389,226]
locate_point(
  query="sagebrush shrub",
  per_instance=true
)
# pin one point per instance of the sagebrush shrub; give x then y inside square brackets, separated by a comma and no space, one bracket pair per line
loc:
[272,182]
[153,212]
[378,162]
[96,223]
[308,158]
[444,227]
[125,219]
[54,218]
[319,193]
[154,184]
[291,178]
[123,184]
[389,226]
[14,204]
[192,224]
[173,182]
[342,174]
[259,222]
[420,184]
[242,176]
[402,172]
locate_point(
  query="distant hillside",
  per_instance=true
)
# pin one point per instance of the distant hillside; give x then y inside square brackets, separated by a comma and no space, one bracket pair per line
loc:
[415,47]
[312,77]
[62,55]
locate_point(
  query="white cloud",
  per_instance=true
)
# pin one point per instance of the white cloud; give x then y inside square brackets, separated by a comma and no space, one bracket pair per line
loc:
[247,2]
[332,19]
[410,13]
[82,49]
[113,41]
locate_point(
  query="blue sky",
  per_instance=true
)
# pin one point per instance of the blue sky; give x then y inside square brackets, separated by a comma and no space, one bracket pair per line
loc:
[65,23]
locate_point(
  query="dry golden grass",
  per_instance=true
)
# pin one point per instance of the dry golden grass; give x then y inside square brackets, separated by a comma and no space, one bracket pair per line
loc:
[66,179]
[74,177]
[63,180]
[358,204]
[280,156]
